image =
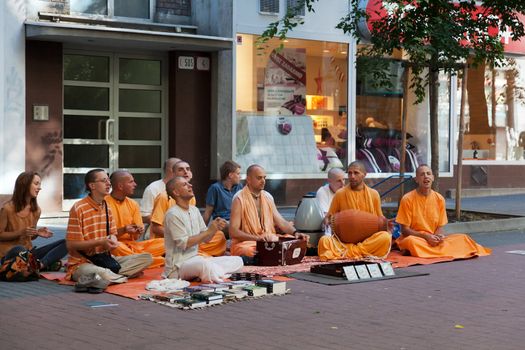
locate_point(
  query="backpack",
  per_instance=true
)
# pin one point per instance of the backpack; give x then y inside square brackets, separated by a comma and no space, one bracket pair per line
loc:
[23,267]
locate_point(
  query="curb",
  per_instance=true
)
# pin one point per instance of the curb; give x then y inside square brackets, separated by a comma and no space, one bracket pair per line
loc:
[486,226]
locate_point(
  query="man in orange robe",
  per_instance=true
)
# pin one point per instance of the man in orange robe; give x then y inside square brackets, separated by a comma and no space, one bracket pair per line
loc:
[214,247]
[356,195]
[422,215]
[254,216]
[128,220]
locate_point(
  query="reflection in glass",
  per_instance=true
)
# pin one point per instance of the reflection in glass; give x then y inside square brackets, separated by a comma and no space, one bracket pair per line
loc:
[74,187]
[143,180]
[132,8]
[145,101]
[139,128]
[85,127]
[94,7]
[139,156]
[378,119]
[86,98]
[494,112]
[135,71]
[86,156]
[86,68]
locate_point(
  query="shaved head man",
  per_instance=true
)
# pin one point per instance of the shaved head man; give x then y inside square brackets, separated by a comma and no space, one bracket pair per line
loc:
[358,196]
[126,213]
[254,215]
[325,194]
[422,215]
[155,188]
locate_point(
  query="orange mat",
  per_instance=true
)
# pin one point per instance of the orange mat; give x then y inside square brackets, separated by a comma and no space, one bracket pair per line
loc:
[136,286]
[399,260]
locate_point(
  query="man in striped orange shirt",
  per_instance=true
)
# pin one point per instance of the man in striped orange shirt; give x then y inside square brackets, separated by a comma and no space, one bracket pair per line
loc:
[88,234]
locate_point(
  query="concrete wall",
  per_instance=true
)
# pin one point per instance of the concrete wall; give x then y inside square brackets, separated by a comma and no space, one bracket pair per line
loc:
[319,25]
[44,149]
[216,18]
[12,93]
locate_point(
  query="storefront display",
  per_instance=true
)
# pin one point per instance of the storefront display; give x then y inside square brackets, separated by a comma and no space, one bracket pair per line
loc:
[291,105]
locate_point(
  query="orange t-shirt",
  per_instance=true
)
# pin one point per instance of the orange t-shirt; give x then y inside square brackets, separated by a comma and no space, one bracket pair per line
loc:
[422,213]
[367,200]
[10,221]
[124,212]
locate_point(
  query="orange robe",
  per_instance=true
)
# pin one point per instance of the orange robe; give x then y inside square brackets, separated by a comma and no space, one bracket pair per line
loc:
[127,212]
[215,247]
[377,245]
[427,214]
[253,222]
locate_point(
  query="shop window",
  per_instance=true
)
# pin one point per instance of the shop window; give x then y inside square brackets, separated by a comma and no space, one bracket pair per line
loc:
[495,112]
[138,9]
[291,105]
[379,108]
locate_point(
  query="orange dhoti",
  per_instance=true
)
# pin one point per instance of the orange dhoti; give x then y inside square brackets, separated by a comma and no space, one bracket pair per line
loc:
[153,246]
[215,247]
[377,245]
[244,248]
[457,246]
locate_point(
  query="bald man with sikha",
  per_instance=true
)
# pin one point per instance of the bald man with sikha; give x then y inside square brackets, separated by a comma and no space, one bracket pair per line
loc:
[356,195]
[127,217]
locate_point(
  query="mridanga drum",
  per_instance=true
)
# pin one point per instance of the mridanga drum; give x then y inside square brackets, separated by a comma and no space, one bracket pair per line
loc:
[354,226]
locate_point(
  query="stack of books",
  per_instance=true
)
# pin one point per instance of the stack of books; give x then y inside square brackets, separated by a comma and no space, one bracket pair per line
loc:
[255,291]
[211,298]
[272,286]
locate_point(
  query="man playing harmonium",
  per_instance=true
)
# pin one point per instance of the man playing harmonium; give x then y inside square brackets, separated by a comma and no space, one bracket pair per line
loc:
[356,195]
[422,215]
[254,216]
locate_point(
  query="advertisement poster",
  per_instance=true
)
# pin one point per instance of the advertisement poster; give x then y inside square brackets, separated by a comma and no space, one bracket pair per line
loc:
[285,82]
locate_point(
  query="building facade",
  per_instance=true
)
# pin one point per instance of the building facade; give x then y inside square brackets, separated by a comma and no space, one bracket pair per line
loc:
[125,84]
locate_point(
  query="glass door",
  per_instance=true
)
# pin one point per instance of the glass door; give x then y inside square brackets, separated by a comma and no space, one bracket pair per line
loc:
[114,118]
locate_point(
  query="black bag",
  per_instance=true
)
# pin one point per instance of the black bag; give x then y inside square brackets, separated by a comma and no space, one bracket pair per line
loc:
[105,259]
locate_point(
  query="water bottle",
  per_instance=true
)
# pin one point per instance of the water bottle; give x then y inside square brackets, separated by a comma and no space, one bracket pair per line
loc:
[396,230]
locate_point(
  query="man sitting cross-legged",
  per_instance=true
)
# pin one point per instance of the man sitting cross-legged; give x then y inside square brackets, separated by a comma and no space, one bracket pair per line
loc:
[184,231]
[254,216]
[91,229]
[356,195]
[422,215]
[126,213]
[215,247]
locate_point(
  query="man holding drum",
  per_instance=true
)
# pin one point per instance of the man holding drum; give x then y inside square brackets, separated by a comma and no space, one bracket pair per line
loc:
[358,196]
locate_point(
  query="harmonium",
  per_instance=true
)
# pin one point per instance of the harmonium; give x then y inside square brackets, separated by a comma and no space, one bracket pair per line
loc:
[287,251]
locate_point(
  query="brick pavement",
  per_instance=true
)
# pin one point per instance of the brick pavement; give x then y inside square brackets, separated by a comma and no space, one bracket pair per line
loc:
[484,295]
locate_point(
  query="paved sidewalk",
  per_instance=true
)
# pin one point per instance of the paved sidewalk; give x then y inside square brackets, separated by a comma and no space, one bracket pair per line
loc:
[484,296]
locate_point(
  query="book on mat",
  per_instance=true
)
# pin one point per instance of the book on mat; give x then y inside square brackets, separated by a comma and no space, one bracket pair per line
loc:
[374,270]
[255,291]
[362,272]
[192,303]
[272,286]
[207,296]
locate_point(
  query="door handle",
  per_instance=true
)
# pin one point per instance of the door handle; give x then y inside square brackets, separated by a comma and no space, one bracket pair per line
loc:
[110,132]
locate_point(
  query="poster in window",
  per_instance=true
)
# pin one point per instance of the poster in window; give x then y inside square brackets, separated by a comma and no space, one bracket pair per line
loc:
[285,82]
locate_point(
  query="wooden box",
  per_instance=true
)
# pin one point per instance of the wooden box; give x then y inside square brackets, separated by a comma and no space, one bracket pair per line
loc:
[287,251]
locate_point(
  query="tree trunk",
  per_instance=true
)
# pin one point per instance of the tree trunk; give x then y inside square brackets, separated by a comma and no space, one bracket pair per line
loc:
[433,98]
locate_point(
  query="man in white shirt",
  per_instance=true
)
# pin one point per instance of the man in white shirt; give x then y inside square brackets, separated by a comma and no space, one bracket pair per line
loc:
[336,180]
[155,188]
[184,230]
